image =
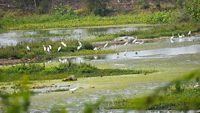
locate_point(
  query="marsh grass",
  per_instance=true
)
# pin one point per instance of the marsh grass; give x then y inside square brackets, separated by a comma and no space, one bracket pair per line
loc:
[65,21]
[40,72]
[177,95]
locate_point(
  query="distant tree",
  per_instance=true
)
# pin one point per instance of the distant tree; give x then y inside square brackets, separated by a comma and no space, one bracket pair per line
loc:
[144,4]
[158,6]
[97,7]
[192,8]
[180,3]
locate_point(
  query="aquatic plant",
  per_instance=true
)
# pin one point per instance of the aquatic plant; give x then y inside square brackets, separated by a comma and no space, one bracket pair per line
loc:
[40,72]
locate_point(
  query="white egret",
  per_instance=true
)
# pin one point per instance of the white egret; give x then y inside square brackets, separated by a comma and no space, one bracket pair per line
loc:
[80,45]
[189,33]
[73,89]
[95,49]
[126,43]
[59,48]
[142,42]
[44,47]
[28,48]
[63,44]
[134,40]
[172,39]
[105,45]
[50,47]
[196,85]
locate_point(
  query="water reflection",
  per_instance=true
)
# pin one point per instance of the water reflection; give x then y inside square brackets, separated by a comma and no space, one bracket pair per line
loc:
[145,54]
[12,38]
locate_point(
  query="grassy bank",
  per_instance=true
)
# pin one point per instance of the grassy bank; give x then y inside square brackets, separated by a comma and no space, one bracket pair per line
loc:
[65,21]
[37,52]
[177,95]
[40,72]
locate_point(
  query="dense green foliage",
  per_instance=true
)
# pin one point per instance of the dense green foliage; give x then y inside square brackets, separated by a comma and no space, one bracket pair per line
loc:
[64,21]
[193,9]
[40,72]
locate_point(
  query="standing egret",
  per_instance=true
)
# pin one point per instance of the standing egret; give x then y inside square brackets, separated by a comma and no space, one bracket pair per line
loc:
[80,45]
[50,47]
[105,45]
[44,47]
[134,40]
[73,89]
[63,44]
[189,33]
[28,48]
[126,43]
[59,48]
[171,39]
[95,49]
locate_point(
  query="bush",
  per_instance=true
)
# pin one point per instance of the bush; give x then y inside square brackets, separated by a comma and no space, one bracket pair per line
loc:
[192,8]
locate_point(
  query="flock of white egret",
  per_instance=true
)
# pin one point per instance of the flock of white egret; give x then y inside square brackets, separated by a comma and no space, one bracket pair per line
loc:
[180,37]
[49,47]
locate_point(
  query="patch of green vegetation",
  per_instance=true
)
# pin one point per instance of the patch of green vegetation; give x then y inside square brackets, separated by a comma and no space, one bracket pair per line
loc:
[177,95]
[37,51]
[153,32]
[40,72]
[64,21]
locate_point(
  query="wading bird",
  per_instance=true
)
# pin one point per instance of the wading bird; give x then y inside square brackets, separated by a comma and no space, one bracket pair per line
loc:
[59,48]
[44,48]
[28,48]
[126,43]
[105,45]
[134,40]
[189,33]
[172,39]
[50,47]
[95,49]
[79,46]
[63,44]
[73,89]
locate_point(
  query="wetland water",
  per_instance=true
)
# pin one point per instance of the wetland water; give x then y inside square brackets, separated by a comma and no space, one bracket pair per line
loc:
[14,37]
[144,54]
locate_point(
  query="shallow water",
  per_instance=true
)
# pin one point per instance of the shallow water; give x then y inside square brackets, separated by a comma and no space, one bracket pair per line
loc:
[14,37]
[145,54]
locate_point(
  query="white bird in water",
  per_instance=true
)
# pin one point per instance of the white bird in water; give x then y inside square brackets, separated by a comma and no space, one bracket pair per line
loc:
[73,89]
[28,48]
[63,44]
[95,49]
[142,42]
[196,85]
[44,48]
[105,45]
[50,47]
[134,40]
[59,48]
[126,43]
[80,45]
[172,39]
[189,33]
